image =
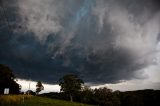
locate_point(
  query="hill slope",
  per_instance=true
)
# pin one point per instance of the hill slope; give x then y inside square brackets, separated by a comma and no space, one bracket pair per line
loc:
[41,101]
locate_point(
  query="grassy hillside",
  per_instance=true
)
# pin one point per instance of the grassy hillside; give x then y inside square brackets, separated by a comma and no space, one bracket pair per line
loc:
[41,101]
[35,101]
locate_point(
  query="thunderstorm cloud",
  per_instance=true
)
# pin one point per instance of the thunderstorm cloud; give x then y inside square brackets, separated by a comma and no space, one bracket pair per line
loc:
[102,41]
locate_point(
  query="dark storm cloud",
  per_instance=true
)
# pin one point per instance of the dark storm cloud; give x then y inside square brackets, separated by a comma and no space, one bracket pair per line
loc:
[102,41]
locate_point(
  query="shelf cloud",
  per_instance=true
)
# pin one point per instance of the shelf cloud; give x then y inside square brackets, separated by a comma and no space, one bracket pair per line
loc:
[102,41]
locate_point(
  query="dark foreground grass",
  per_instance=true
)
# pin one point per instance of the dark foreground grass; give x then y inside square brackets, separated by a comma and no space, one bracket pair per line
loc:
[41,101]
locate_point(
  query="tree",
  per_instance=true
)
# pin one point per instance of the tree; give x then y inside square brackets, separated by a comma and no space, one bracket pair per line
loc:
[70,84]
[7,80]
[39,87]
[87,95]
[105,97]
[30,92]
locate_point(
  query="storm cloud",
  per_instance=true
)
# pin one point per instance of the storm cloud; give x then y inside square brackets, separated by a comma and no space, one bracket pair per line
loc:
[102,41]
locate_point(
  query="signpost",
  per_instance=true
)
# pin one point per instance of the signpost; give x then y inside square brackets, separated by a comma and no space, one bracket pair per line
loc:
[6,91]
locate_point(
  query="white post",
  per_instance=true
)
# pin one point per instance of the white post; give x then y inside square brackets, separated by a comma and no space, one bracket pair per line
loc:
[29,87]
[6,91]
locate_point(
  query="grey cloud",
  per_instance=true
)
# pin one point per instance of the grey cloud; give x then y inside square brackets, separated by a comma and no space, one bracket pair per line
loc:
[103,41]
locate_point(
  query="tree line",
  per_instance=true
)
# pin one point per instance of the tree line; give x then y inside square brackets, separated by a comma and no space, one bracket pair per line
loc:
[73,89]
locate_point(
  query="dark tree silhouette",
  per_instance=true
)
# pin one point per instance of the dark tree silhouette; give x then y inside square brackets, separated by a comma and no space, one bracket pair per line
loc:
[39,87]
[7,80]
[30,92]
[105,97]
[70,84]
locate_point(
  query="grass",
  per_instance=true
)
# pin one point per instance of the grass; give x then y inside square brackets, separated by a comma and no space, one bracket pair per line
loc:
[41,101]
[17,100]
[9,100]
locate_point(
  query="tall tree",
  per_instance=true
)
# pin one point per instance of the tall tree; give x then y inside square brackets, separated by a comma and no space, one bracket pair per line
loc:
[70,84]
[39,87]
[7,80]
[105,97]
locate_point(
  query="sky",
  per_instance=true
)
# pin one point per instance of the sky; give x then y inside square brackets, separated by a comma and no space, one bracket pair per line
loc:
[113,43]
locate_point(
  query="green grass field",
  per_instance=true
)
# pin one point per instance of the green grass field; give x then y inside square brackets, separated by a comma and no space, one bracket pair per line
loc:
[41,101]
[17,100]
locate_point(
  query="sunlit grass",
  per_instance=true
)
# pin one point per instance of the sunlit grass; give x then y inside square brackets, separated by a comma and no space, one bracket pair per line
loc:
[12,99]
[28,100]
[42,101]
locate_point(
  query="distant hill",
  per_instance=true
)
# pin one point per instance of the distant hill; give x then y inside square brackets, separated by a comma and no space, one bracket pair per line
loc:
[147,97]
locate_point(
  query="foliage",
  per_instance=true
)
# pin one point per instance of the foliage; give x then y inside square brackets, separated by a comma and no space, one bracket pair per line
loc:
[70,84]
[140,98]
[105,97]
[87,95]
[30,92]
[56,95]
[101,96]
[7,80]
[39,87]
